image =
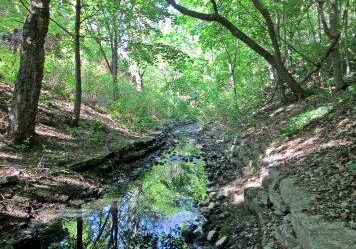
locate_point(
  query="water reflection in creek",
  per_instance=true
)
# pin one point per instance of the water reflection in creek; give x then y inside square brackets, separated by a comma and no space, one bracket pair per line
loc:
[151,214]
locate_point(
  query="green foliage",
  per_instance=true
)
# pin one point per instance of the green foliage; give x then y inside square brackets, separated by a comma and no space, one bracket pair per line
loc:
[9,63]
[147,109]
[25,145]
[45,100]
[186,147]
[185,63]
[295,124]
[351,165]
[59,76]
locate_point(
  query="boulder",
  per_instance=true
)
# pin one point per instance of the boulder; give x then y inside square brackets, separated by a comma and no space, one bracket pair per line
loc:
[8,180]
[221,242]
[314,233]
[297,199]
[212,236]
[255,199]
[284,234]
[311,230]
[278,203]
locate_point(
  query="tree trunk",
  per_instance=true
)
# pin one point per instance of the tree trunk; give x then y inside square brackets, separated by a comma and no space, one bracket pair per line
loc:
[115,57]
[347,60]
[232,70]
[233,79]
[29,78]
[332,31]
[138,78]
[78,66]
[280,83]
[335,54]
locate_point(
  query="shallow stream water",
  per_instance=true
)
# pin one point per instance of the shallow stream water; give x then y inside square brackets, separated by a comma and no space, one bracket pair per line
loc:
[152,212]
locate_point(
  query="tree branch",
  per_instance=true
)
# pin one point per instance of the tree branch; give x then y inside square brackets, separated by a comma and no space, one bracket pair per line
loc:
[281,38]
[98,41]
[192,13]
[322,18]
[216,11]
[216,17]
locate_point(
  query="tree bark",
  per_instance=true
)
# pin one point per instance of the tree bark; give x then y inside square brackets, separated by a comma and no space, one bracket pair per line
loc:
[138,77]
[347,60]
[332,31]
[283,74]
[280,83]
[115,57]
[78,66]
[274,60]
[232,58]
[29,78]
[335,54]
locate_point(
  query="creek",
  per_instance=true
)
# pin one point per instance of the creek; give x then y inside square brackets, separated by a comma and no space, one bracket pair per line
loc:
[154,211]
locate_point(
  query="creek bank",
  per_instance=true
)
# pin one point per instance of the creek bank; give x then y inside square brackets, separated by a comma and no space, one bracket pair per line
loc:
[265,211]
[282,210]
[269,190]
[129,153]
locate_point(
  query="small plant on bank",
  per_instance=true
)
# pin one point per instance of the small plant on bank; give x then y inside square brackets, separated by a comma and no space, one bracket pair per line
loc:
[295,124]
[25,145]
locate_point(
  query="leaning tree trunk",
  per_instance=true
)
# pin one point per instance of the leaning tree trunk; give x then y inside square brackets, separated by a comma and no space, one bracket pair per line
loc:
[78,66]
[283,74]
[273,60]
[29,78]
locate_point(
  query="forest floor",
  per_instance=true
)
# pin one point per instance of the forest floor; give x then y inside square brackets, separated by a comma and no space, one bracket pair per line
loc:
[36,183]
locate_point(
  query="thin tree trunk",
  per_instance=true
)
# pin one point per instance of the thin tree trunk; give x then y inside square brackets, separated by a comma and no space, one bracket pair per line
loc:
[335,54]
[232,65]
[29,78]
[138,78]
[233,80]
[115,57]
[278,34]
[332,31]
[347,60]
[79,230]
[78,66]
